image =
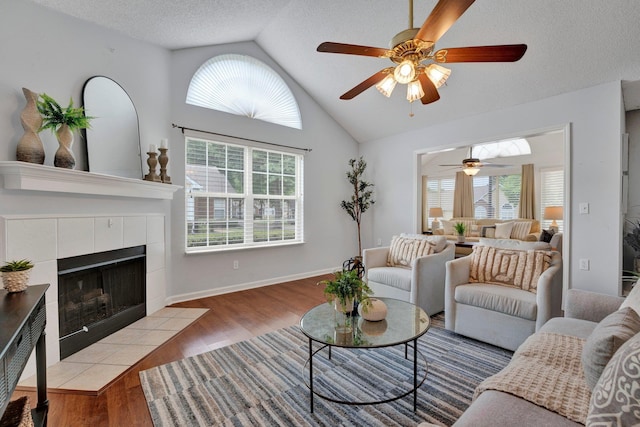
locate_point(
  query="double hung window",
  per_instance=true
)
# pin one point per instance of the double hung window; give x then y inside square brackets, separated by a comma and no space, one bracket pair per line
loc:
[239,196]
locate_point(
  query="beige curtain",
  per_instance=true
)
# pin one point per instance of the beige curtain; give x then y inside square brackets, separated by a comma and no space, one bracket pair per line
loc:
[463,196]
[527,193]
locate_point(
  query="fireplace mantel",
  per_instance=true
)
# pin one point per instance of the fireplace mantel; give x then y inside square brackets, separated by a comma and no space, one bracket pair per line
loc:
[29,176]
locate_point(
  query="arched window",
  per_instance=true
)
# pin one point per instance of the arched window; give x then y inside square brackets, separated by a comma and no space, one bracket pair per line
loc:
[245,86]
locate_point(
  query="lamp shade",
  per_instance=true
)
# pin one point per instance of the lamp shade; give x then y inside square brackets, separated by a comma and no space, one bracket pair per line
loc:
[553,212]
[435,212]
[471,171]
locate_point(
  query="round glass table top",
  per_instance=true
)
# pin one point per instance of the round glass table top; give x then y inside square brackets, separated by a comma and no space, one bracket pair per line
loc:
[404,322]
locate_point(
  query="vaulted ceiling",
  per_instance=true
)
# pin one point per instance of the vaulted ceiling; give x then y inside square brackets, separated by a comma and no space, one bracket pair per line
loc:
[572,44]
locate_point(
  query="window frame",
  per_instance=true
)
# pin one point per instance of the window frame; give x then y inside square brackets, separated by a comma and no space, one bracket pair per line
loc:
[248,220]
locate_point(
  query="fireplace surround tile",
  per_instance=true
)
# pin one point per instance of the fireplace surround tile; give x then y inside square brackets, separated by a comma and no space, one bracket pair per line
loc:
[134,231]
[108,234]
[75,237]
[34,239]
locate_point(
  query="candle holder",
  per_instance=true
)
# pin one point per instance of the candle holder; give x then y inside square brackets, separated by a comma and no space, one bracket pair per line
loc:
[152,161]
[164,159]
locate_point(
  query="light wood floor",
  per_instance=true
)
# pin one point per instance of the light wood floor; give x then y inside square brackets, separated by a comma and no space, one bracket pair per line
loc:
[232,318]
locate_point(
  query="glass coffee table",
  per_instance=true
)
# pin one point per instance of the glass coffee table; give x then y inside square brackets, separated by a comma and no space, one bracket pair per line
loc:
[403,325]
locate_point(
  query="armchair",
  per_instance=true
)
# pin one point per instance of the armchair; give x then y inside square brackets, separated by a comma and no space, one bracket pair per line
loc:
[503,314]
[421,282]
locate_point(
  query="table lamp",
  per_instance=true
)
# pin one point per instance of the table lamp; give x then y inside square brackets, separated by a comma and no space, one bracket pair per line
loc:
[553,213]
[435,213]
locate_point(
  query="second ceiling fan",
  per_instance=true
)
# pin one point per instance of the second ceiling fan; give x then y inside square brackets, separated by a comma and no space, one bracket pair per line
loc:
[416,64]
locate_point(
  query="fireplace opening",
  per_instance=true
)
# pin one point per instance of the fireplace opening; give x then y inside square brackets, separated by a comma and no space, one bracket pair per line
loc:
[99,294]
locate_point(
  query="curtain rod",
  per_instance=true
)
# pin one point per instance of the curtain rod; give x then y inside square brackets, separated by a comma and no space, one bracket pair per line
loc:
[183,128]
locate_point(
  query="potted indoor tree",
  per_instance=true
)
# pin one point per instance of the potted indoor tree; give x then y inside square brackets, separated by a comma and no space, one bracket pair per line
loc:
[360,201]
[460,228]
[15,275]
[62,122]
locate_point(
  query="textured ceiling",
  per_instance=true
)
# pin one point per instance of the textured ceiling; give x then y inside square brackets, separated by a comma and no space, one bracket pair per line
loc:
[573,44]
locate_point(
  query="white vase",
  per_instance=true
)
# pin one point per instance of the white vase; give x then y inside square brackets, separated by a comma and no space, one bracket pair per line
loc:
[460,238]
[374,311]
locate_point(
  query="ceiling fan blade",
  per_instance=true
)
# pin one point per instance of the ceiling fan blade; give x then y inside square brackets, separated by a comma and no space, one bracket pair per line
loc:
[498,53]
[495,165]
[430,92]
[365,84]
[441,18]
[352,49]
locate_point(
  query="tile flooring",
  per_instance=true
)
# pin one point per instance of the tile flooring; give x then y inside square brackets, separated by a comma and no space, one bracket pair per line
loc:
[95,367]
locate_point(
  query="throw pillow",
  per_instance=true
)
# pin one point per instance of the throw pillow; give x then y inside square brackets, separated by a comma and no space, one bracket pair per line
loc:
[508,267]
[503,230]
[521,230]
[448,227]
[546,235]
[615,399]
[405,248]
[633,299]
[613,331]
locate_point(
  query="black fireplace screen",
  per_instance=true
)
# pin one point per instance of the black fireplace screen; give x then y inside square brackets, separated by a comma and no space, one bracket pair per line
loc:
[99,294]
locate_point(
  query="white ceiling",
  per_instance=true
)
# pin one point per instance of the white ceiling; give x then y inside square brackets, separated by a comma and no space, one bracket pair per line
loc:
[572,44]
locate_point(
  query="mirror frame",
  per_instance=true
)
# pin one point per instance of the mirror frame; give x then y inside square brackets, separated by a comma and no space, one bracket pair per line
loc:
[102,150]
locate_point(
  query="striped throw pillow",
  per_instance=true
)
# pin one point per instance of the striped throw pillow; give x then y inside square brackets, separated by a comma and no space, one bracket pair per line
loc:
[520,230]
[509,267]
[405,249]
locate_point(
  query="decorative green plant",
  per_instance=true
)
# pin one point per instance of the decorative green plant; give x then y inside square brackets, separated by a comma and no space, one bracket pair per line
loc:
[346,285]
[362,197]
[21,265]
[460,228]
[54,116]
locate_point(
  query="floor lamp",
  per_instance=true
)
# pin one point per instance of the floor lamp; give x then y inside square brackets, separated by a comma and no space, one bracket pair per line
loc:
[435,213]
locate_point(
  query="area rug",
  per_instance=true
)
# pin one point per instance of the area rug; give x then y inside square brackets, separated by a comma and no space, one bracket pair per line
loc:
[261,382]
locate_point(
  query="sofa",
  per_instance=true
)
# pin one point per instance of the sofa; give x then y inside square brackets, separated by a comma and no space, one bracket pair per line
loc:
[580,369]
[504,292]
[476,228]
[411,268]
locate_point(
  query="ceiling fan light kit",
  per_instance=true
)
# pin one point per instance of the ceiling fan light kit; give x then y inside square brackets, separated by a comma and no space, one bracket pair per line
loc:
[411,48]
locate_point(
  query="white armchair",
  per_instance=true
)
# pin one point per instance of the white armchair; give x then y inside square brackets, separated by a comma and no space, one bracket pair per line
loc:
[502,315]
[421,284]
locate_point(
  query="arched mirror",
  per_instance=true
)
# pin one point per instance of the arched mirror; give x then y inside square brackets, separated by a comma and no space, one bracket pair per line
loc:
[113,141]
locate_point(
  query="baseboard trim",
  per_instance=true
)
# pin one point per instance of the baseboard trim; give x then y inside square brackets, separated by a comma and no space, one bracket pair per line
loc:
[244,286]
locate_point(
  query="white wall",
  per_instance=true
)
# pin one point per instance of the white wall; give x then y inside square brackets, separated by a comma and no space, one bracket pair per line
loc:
[330,235]
[596,123]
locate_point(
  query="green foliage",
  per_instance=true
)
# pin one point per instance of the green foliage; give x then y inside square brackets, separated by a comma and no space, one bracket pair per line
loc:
[511,187]
[54,116]
[21,265]
[346,285]
[460,228]
[362,197]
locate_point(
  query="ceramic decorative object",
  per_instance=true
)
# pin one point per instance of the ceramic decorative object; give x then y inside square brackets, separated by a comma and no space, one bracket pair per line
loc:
[30,148]
[64,156]
[375,311]
[163,159]
[460,238]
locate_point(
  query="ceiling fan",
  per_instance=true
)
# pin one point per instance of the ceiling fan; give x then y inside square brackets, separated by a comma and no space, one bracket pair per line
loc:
[410,49]
[471,165]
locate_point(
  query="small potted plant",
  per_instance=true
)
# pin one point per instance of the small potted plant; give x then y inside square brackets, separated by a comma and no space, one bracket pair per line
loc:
[344,289]
[15,275]
[62,122]
[460,228]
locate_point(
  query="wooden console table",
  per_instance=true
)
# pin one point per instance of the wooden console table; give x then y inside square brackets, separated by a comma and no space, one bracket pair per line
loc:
[22,322]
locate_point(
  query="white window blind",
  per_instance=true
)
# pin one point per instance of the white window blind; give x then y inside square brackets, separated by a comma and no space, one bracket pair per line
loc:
[551,194]
[239,196]
[440,195]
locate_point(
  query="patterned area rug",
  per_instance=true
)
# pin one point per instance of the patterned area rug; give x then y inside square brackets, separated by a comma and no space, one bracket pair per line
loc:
[260,382]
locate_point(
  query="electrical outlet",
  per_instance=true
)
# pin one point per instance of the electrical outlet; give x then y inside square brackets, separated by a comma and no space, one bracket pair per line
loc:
[236,264]
[379,242]
[584,264]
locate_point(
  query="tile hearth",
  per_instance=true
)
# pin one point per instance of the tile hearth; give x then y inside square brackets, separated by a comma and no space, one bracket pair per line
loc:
[95,367]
